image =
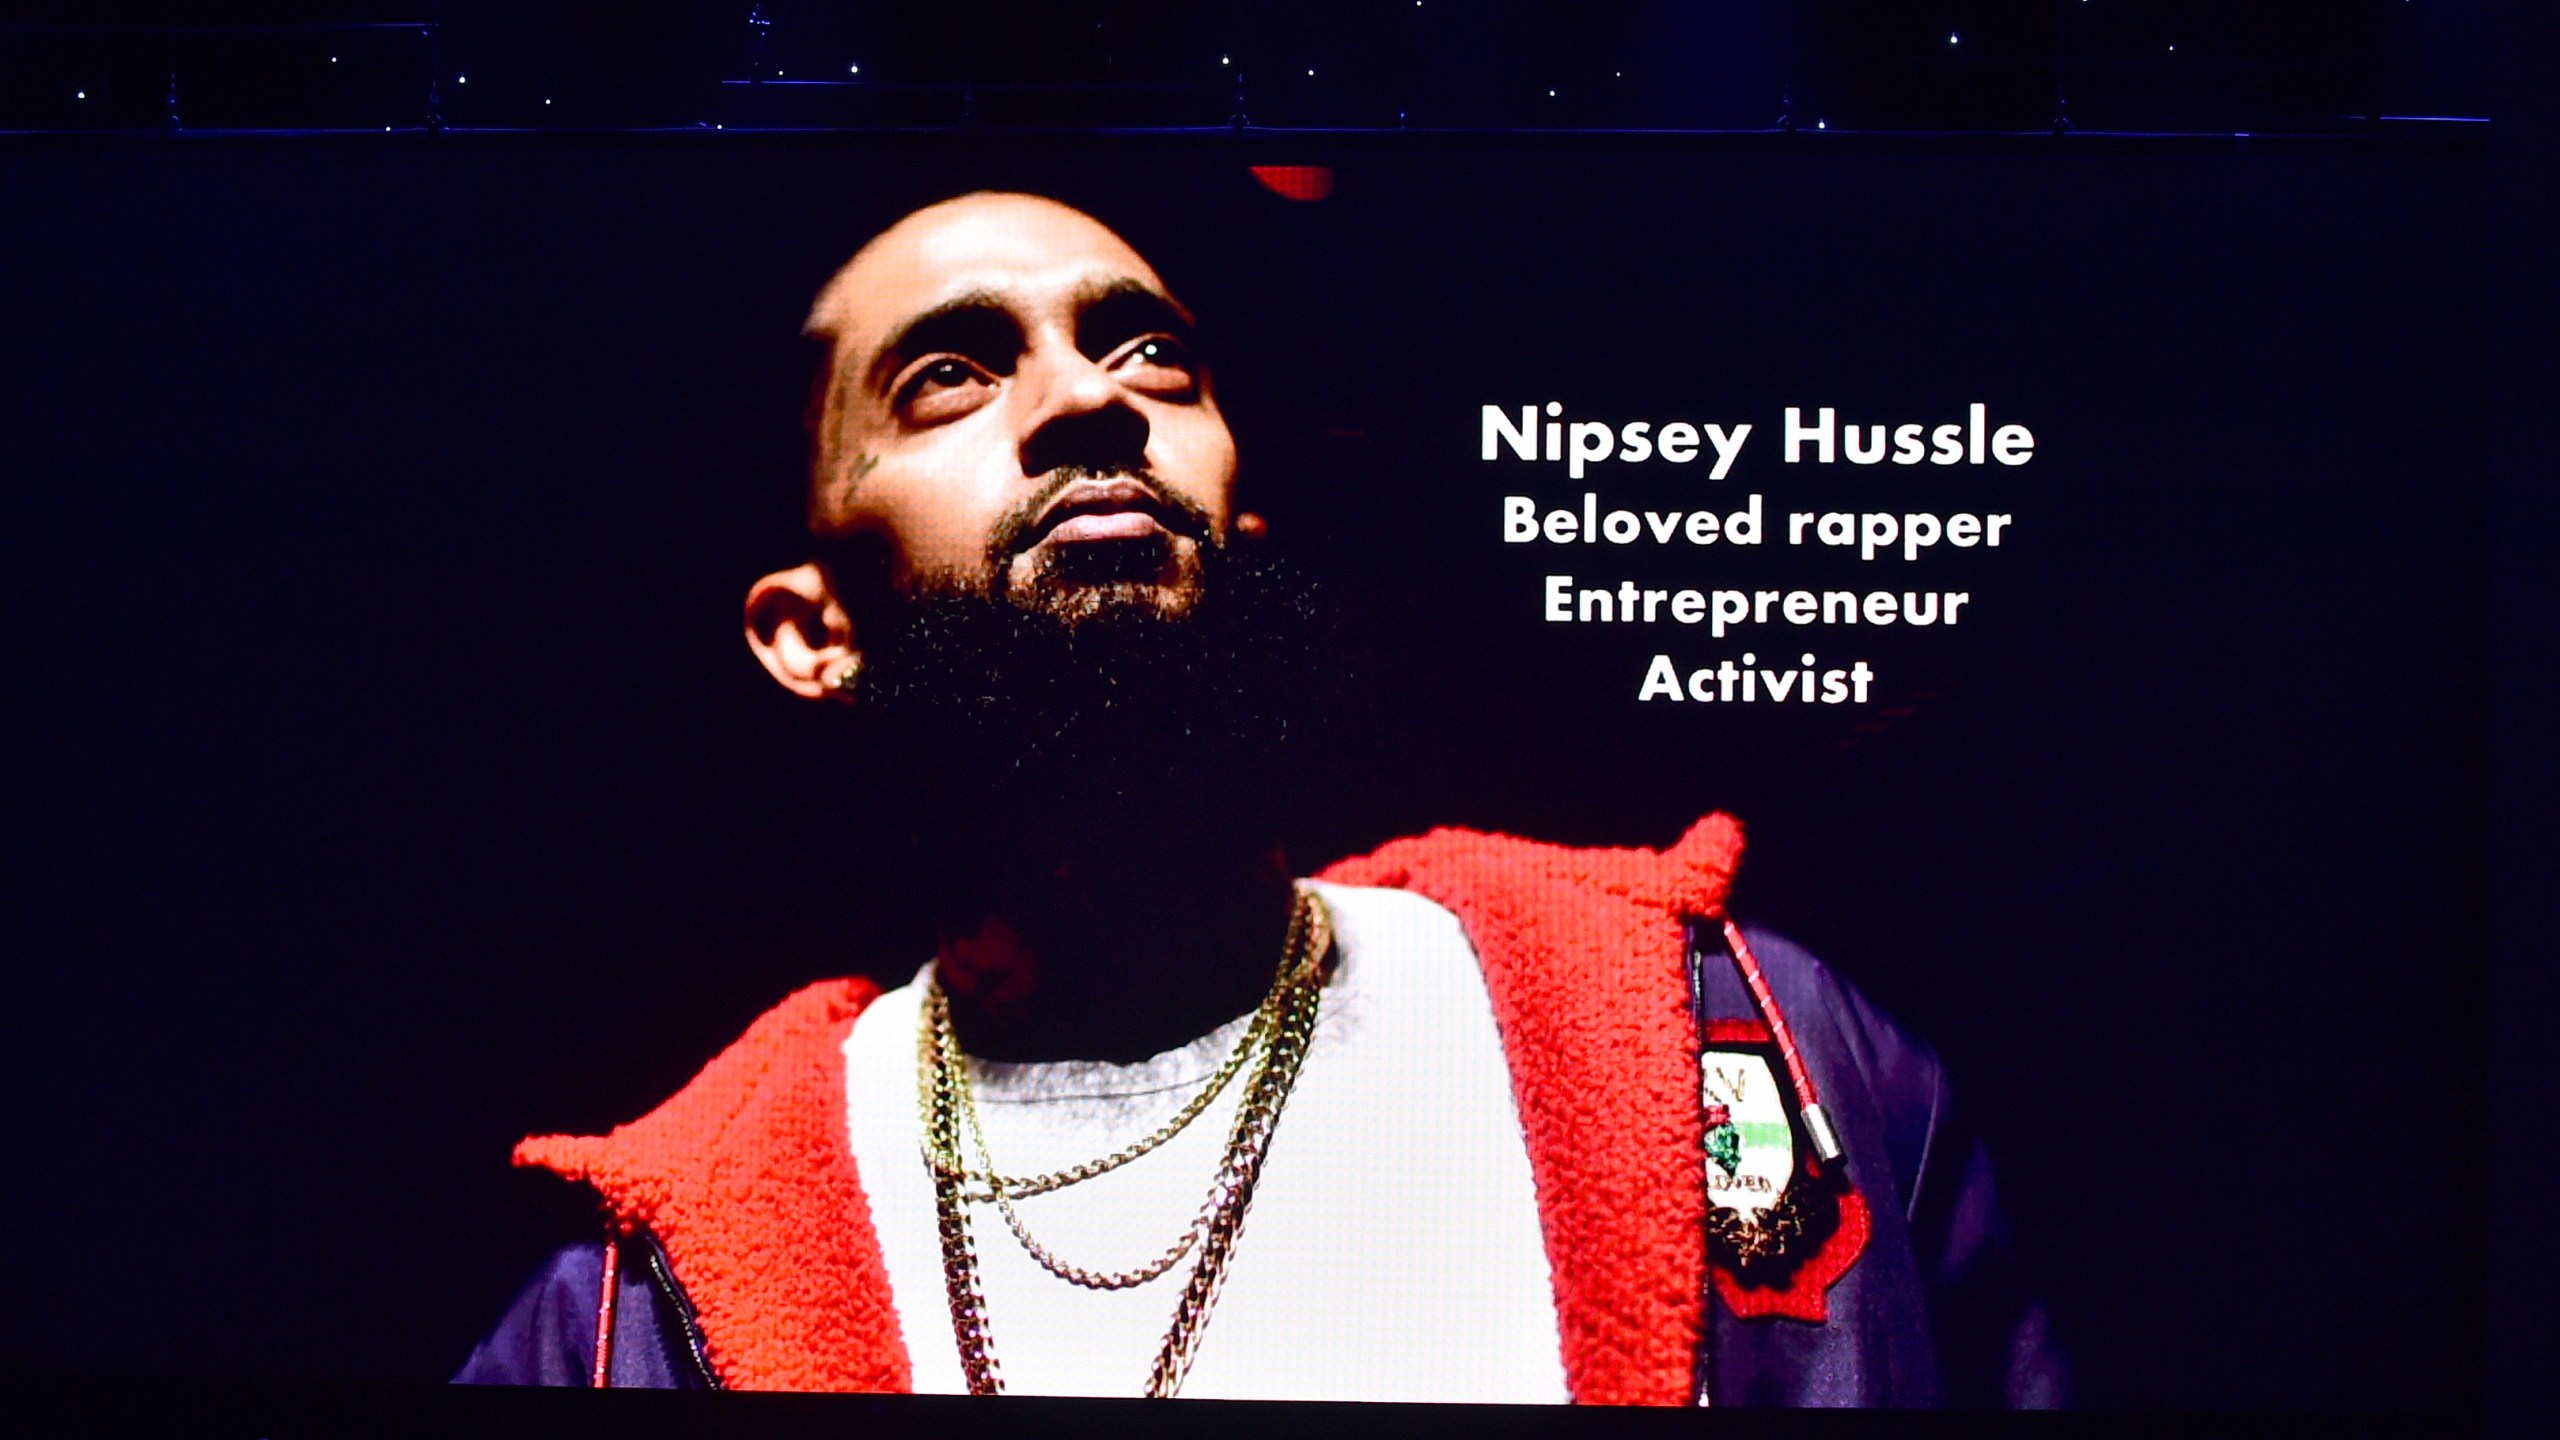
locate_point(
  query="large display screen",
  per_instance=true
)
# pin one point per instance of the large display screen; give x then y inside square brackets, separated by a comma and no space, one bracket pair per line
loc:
[1638,771]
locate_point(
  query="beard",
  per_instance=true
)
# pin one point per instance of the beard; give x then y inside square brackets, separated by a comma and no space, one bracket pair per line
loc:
[1089,735]
[1089,582]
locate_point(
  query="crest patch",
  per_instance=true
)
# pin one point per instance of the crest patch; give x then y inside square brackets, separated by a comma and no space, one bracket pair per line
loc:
[1751,1150]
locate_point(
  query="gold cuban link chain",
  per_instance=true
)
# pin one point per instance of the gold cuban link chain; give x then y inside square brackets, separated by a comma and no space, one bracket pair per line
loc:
[949,1104]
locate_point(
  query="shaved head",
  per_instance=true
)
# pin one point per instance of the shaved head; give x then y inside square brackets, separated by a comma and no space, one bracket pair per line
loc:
[988,231]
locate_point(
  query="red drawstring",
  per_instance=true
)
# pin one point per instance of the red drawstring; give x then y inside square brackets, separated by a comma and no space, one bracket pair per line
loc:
[603,1377]
[1817,1121]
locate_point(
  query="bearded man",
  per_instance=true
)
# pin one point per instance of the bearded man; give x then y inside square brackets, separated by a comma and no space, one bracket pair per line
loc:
[1470,1118]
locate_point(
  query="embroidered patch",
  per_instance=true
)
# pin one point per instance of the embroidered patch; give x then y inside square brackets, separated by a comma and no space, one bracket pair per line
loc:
[1751,1148]
[1805,1294]
[1724,1143]
[1770,1255]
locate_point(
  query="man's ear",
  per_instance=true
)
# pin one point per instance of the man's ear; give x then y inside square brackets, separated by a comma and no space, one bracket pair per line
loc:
[801,632]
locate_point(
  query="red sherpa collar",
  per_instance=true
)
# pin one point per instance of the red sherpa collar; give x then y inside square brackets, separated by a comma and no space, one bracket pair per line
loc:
[747,1178]
[1586,958]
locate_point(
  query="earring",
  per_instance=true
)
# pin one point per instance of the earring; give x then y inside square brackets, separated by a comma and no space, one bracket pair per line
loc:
[843,681]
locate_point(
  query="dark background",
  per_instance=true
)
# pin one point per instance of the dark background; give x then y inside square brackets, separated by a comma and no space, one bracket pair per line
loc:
[391,780]
[2017,65]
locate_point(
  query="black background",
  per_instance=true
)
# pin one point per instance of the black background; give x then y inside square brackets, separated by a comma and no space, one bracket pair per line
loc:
[392,780]
[2268,66]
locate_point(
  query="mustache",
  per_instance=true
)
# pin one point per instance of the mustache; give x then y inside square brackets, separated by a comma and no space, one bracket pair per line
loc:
[1016,530]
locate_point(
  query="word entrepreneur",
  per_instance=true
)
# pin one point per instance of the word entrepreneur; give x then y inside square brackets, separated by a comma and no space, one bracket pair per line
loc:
[1720,609]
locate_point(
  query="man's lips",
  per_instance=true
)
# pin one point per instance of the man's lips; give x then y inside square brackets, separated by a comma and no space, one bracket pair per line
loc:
[1103,525]
[1091,511]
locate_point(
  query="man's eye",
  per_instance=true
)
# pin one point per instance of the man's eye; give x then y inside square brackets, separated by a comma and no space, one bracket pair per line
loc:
[1159,362]
[942,389]
[945,374]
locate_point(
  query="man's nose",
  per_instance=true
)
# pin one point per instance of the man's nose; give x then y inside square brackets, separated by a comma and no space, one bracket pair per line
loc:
[1081,416]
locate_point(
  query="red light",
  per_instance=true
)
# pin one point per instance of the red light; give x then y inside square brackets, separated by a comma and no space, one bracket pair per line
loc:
[1296,182]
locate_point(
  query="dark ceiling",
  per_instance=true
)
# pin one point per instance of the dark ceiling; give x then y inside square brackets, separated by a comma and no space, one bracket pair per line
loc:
[1995,65]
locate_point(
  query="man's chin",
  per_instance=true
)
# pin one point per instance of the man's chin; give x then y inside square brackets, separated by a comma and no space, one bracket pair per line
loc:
[1072,592]
[1092,714]
[1077,604]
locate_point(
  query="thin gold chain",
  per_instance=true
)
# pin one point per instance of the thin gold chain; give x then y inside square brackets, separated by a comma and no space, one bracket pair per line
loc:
[985,1184]
[1249,1144]
[982,1182]
[954,1065]
[943,1080]
[999,1191]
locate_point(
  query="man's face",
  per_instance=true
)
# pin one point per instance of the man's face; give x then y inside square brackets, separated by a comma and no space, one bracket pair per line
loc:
[1016,406]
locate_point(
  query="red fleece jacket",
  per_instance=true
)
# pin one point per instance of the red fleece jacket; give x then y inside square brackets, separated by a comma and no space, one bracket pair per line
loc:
[747,1179]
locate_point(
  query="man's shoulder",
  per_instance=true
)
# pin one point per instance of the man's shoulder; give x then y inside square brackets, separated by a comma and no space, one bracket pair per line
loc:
[1460,868]
[1548,920]
[1485,882]
[757,1065]
[1829,1003]
[1882,1084]
[1387,912]
[547,1337]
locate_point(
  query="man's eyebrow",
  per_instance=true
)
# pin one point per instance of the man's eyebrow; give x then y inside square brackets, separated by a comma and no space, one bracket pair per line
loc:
[1114,310]
[950,325]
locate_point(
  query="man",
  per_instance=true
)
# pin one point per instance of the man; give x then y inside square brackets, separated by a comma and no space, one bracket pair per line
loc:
[1471,1118]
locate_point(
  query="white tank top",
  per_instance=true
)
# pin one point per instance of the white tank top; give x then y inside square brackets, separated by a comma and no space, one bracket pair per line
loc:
[1393,1251]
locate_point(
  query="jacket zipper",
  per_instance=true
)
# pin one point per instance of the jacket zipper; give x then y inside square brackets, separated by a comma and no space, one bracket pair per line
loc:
[663,1275]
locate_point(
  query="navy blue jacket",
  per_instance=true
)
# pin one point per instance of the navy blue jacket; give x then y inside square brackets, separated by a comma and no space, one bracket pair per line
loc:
[1935,1310]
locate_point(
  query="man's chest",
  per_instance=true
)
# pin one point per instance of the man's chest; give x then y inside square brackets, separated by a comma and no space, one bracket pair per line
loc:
[1393,1249]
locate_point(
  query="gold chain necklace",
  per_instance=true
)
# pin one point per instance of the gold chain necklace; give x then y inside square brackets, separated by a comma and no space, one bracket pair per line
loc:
[948,1100]
[1000,1189]
[983,1183]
